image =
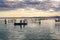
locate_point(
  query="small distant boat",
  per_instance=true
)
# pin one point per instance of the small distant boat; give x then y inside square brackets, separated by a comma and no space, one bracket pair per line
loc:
[18,24]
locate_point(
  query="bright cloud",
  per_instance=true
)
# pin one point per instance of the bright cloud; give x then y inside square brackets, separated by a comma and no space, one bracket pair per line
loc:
[10,0]
[40,0]
[55,0]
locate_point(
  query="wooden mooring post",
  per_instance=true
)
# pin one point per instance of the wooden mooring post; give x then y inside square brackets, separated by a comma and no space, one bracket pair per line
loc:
[5,21]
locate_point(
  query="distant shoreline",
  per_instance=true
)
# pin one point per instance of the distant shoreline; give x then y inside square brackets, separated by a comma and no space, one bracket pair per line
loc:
[29,17]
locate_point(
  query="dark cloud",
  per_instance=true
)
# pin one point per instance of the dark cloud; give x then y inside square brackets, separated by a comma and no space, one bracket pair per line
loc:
[2,4]
[44,5]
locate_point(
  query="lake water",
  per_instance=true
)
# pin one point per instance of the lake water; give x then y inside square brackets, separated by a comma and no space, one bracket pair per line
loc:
[34,30]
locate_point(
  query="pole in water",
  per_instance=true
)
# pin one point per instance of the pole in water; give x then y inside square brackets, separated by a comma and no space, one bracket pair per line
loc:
[5,21]
[21,24]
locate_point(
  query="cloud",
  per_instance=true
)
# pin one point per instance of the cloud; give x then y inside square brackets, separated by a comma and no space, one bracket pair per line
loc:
[40,5]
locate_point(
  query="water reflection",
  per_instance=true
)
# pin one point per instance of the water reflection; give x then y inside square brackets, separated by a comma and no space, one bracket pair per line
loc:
[3,32]
[34,30]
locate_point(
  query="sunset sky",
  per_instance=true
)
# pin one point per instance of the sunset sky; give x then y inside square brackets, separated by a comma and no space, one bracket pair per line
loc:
[29,10]
[28,13]
[38,0]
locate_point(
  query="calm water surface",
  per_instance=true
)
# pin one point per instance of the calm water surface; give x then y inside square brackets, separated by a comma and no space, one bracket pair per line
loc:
[46,30]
